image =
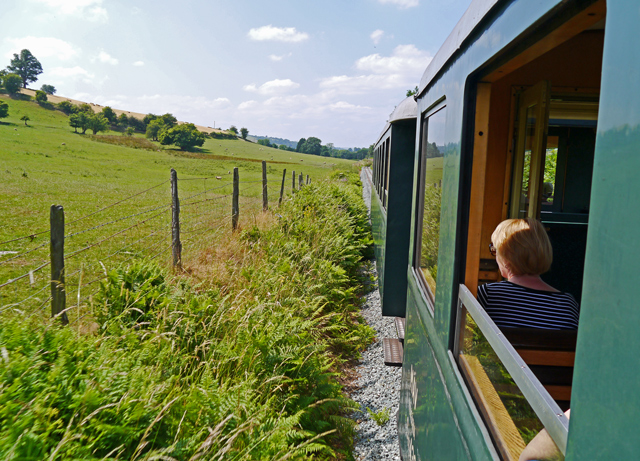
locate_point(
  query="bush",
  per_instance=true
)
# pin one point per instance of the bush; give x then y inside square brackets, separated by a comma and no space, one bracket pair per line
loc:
[184,136]
[41,96]
[4,109]
[12,83]
[67,107]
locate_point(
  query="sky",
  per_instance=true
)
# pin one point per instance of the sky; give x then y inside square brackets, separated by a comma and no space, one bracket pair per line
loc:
[333,69]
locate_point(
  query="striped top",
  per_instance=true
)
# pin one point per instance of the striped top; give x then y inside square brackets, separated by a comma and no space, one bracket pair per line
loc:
[514,306]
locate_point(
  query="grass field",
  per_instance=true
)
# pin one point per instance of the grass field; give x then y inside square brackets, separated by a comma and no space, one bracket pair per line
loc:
[46,163]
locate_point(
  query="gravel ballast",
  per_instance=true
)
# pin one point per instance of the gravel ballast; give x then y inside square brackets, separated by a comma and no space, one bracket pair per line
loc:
[377,386]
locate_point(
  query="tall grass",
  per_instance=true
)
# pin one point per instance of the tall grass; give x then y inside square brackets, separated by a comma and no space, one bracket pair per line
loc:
[239,360]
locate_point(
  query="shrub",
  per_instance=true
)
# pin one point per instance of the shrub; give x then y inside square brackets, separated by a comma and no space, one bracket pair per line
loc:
[41,96]
[12,83]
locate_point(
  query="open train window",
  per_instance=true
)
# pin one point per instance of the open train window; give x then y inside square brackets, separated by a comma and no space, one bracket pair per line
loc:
[432,152]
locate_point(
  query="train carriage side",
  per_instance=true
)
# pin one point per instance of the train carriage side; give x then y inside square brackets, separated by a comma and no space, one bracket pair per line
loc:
[390,209]
[529,109]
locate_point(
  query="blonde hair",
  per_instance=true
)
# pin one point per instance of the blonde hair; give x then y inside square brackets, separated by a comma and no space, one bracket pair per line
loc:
[523,245]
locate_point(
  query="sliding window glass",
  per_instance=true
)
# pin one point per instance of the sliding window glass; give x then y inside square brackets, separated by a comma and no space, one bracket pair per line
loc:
[432,153]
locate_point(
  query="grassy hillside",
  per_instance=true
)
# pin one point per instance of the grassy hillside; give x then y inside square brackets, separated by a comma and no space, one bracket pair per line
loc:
[46,163]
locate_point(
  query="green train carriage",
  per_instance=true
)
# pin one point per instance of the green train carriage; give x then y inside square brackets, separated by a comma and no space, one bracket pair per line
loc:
[528,109]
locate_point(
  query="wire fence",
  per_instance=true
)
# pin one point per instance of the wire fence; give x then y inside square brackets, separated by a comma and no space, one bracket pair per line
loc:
[57,271]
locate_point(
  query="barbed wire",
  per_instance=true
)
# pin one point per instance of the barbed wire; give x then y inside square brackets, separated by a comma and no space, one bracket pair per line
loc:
[204,192]
[9,282]
[205,200]
[23,254]
[17,303]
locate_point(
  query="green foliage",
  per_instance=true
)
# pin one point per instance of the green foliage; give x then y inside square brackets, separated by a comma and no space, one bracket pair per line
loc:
[244,132]
[4,109]
[264,142]
[49,89]
[97,123]
[381,417]
[154,128]
[412,92]
[66,107]
[12,83]
[79,120]
[110,115]
[25,119]
[41,96]
[176,372]
[123,121]
[26,66]
[233,129]
[184,136]
[129,131]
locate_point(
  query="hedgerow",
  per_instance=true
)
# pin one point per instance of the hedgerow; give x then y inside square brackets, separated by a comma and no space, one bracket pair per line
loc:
[185,370]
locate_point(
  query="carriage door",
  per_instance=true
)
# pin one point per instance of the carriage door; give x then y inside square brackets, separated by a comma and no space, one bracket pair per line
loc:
[528,161]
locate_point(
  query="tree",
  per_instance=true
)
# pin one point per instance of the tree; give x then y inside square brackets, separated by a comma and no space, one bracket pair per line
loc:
[25,119]
[4,109]
[284,147]
[12,83]
[313,146]
[264,142]
[129,131]
[41,96]
[154,128]
[67,107]
[26,66]
[137,124]
[79,120]
[233,129]
[169,120]
[110,115]
[244,132]
[148,119]
[86,108]
[49,89]
[123,120]
[300,145]
[184,136]
[97,123]
[412,92]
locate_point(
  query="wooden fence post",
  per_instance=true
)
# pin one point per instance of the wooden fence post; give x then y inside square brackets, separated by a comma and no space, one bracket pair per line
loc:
[293,181]
[235,206]
[300,181]
[265,199]
[284,176]
[175,221]
[58,293]
[308,180]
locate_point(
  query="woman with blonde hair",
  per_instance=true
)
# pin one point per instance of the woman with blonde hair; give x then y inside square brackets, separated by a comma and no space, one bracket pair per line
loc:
[523,252]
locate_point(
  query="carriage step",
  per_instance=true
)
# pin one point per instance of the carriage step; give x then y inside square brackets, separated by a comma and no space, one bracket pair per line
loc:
[400,328]
[393,352]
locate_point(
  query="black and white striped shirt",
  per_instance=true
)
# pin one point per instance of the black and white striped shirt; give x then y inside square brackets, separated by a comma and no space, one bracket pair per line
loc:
[514,306]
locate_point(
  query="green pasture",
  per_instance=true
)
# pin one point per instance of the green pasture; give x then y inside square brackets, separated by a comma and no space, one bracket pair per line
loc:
[46,163]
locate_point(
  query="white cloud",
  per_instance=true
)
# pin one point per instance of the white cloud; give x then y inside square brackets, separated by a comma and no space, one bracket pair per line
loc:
[76,73]
[278,34]
[272,87]
[42,47]
[404,59]
[106,58]
[403,4]
[376,36]
[247,105]
[138,63]
[277,58]
[90,10]
[345,106]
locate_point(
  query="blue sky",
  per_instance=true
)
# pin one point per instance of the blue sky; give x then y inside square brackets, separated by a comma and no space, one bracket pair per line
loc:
[285,68]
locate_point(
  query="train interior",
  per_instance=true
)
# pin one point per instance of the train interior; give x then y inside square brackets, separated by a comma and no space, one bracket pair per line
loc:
[533,151]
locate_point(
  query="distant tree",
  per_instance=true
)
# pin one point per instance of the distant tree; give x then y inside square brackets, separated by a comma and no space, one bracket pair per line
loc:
[66,107]
[313,146]
[49,89]
[123,120]
[79,120]
[264,142]
[129,131]
[244,132]
[26,66]
[148,118]
[86,108]
[300,145]
[25,119]
[169,120]
[4,109]
[233,129]
[284,147]
[110,115]
[41,96]
[154,128]
[184,136]
[97,123]
[137,124]
[412,92]
[12,83]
